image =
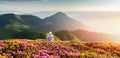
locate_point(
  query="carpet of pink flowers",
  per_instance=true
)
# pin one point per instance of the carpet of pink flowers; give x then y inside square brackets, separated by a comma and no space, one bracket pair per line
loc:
[57,49]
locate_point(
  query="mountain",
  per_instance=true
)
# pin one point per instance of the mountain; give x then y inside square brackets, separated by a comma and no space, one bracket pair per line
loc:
[20,21]
[13,23]
[31,20]
[56,22]
[85,35]
[61,21]
[9,24]
[66,35]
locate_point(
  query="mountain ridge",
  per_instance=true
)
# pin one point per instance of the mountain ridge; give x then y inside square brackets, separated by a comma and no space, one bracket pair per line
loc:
[88,36]
[17,23]
[63,22]
[14,24]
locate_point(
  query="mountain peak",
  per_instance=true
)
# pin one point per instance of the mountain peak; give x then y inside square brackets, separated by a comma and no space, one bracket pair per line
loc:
[10,14]
[59,14]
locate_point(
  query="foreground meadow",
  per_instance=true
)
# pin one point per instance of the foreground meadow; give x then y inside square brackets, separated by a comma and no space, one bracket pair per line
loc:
[58,49]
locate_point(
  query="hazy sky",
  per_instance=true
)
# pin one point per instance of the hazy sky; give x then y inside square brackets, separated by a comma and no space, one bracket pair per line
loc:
[101,15]
[58,5]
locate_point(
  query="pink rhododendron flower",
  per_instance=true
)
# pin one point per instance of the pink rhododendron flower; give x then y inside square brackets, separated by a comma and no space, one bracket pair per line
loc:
[7,54]
[1,47]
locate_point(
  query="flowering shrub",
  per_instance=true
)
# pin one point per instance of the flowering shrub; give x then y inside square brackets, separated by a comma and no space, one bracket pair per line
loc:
[57,49]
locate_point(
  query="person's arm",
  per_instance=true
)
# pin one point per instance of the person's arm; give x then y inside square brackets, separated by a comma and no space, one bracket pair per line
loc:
[47,38]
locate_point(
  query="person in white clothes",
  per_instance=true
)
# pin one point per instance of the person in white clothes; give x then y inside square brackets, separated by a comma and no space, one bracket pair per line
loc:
[50,37]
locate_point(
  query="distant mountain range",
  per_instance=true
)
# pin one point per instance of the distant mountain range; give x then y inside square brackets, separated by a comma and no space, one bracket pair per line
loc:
[73,30]
[56,22]
[12,23]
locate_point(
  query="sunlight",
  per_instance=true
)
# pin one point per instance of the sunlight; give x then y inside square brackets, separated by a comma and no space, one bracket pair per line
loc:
[108,26]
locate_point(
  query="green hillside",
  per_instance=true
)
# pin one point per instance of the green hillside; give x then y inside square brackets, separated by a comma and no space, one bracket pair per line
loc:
[66,35]
[32,27]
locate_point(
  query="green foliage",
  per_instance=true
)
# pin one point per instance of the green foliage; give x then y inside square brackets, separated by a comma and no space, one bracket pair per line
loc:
[5,33]
[16,26]
[56,38]
[66,35]
[29,35]
[18,17]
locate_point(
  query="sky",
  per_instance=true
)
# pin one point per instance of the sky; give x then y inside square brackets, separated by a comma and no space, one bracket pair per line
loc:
[58,5]
[101,15]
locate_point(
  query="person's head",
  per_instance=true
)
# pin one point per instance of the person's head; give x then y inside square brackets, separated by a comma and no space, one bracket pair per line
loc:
[50,33]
